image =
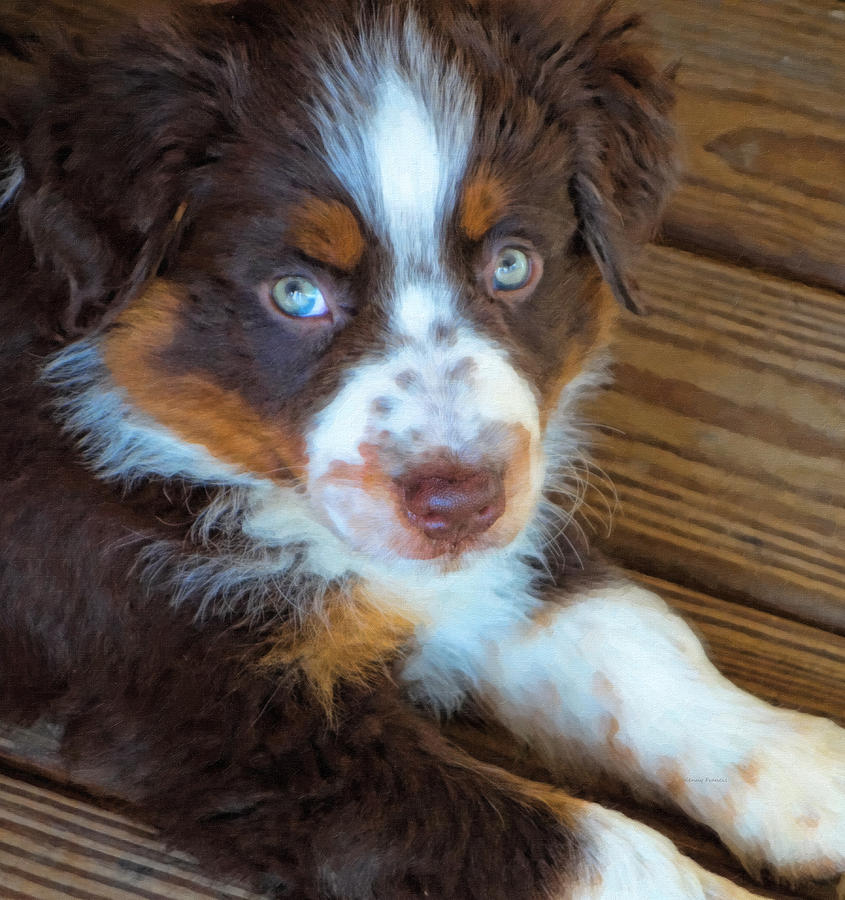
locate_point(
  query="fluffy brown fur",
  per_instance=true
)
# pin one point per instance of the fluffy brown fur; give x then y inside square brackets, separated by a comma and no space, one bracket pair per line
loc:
[161,156]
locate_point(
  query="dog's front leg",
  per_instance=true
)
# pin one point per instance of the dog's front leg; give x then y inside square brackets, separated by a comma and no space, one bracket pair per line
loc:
[614,680]
[257,781]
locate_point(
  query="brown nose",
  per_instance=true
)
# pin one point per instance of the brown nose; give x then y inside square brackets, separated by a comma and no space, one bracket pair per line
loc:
[453,502]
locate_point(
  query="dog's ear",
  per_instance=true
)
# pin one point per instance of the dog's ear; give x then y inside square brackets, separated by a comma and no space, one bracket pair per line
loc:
[106,114]
[602,90]
[626,163]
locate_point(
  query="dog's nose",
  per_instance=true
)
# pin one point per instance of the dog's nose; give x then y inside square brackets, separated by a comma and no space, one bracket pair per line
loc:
[453,503]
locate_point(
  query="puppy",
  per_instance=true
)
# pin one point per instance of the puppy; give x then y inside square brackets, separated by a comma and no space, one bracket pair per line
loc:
[299,300]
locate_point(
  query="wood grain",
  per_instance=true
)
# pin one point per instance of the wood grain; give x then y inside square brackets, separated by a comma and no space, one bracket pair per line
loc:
[726,436]
[54,846]
[761,110]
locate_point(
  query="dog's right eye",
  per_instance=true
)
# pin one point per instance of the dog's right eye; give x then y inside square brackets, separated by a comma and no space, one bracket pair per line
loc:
[299,297]
[513,269]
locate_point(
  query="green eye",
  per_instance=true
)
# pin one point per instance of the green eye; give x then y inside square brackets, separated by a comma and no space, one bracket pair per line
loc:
[299,297]
[513,269]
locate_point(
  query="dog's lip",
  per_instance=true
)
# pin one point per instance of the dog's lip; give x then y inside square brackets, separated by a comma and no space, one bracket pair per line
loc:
[455,549]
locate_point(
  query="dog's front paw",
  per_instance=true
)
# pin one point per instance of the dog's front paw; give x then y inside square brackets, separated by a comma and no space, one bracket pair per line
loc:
[782,807]
[629,859]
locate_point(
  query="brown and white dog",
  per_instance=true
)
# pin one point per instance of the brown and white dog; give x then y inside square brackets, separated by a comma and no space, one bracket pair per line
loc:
[299,299]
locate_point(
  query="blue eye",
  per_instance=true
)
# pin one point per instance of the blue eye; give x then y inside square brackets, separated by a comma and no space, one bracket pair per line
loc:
[513,270]
[299,297]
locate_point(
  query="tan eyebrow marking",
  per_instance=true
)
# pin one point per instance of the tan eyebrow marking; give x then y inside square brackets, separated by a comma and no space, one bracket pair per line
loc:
[327,231]
[484,202]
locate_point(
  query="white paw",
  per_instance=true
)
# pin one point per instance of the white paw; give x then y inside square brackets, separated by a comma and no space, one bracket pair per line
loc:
[783,805]
[629,861]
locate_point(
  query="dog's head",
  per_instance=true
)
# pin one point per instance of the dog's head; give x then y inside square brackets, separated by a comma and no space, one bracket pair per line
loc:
[346,253]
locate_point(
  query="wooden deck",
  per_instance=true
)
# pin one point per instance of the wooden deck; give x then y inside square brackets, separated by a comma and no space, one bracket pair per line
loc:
[724,435]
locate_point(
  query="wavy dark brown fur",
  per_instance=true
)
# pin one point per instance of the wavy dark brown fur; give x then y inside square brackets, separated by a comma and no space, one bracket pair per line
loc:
[115,121]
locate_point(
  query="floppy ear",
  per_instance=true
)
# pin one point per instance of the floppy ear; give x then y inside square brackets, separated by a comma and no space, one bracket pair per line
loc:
[626,163]
[105,117]
[600,89]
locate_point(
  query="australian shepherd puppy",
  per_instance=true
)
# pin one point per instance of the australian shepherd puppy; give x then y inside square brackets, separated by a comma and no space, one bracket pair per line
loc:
[299,299]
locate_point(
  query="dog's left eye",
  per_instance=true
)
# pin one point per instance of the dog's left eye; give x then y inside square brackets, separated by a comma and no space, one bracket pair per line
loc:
[512,272]
[297,296]
[512,269]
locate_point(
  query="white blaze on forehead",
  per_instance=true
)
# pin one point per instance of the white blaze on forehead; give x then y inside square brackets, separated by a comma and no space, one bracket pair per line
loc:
[409,163]
[397,121]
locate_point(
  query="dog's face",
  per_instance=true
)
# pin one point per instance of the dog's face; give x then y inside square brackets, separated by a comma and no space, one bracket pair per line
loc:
[383,236]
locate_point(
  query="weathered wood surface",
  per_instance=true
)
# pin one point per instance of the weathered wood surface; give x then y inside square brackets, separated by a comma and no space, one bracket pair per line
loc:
[761,109]
[726,438]
[53,845]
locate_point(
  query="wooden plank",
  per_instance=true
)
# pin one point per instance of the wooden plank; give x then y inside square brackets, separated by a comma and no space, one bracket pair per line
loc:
[726,436]
[54,845]
[761,109]
[783,661]
[56,839]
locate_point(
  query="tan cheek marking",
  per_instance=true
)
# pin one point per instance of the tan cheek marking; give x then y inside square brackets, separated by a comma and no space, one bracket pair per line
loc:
[596,334]
[398,536]
[326,230]
[518,500]
[352,639]
[484,203]
[191,405]
[368,477]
